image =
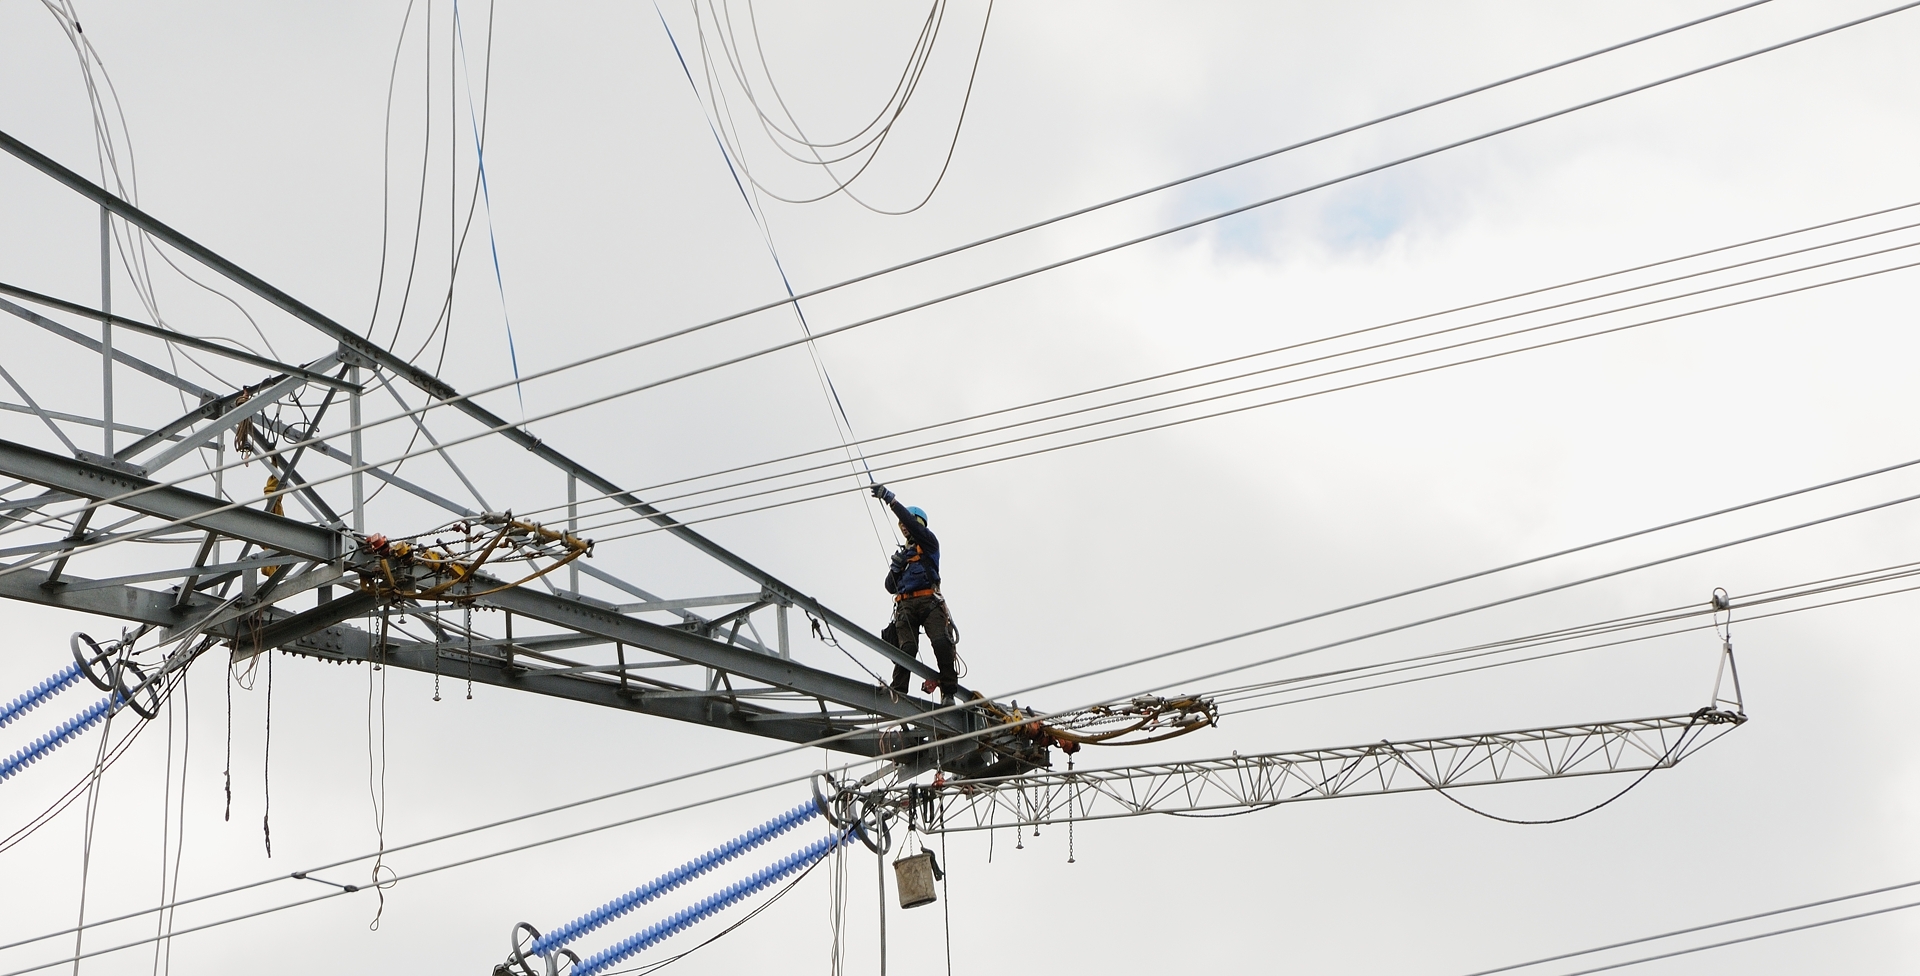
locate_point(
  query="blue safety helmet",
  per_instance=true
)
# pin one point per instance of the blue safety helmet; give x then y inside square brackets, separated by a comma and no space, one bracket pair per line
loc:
[918,512]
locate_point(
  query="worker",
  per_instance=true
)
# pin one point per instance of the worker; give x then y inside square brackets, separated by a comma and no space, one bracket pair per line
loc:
[914,580]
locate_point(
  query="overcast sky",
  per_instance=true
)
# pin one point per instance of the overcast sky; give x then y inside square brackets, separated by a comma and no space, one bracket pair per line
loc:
[260,131]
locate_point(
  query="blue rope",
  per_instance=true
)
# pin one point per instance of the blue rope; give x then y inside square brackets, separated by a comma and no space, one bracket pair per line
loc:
[688,917]
[675,878]
[58,737]
[39,693]
[486,193]
[765,234]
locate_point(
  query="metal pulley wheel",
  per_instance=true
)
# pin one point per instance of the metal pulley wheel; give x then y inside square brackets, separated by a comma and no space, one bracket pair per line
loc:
[104,667]
[139,691]
[847,808]
[96,662]
[519,964]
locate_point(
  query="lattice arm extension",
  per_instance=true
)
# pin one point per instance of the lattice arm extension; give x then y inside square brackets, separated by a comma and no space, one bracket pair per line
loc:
[1238,782]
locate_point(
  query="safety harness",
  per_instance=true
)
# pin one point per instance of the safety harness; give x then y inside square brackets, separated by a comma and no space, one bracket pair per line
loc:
[933,590]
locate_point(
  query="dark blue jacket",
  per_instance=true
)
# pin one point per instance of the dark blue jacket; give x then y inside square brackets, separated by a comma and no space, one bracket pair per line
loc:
[916,564]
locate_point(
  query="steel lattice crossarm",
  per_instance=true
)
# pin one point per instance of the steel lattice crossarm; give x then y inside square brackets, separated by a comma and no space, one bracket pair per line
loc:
[1238,783]
[176,464]
[745,683]
[718,682]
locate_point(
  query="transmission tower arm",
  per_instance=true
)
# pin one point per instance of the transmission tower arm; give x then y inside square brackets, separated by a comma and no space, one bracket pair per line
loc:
[746,687]
[355,347]
[1240,783]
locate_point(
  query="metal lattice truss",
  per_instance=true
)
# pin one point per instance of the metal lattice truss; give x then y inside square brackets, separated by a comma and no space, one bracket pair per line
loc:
[161,529]
[1238,783]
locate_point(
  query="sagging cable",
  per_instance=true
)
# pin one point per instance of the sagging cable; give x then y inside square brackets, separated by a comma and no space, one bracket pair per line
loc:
[712,904]
[59,736]
[59,682]
[592,920]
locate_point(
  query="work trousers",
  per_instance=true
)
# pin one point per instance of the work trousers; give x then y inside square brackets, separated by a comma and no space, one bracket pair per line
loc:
[909,616]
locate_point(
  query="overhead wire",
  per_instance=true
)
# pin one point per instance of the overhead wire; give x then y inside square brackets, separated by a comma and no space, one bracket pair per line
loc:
[935,712]
[1089,254]
[1689,930]
[1188,224]
[998,411]
[736,60]
[659,501]
[1216,216]
[111,150]
[420,204]
[675,522]
[386,169]
[486,191]
[680,521]
[1335,678]
[837,410]
[442,327]
[904,91]
[1115,201]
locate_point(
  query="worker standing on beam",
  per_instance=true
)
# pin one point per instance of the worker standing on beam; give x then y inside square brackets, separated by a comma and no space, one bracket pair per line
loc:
[914,580]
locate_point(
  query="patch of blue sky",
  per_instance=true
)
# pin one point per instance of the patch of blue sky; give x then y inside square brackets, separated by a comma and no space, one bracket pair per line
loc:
[1347,219]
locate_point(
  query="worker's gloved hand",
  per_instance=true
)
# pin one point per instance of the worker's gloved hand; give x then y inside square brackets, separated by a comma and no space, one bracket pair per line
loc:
[881,492]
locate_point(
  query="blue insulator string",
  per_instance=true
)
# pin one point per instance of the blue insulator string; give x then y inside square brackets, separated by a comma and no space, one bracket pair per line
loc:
[675,878]
[58,737]
[718,901]
[38,693]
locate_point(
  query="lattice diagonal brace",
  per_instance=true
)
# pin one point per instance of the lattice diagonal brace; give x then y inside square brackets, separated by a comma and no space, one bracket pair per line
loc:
[1239,782]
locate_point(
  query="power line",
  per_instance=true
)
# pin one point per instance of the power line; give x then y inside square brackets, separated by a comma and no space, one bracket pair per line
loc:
[1155,235]
[1205,384]
[1456,655]
[1714,925]
[20,149]
[1208,416]
[999,411]
[1215,171]
[836,408]
[678,522]
[1163,655]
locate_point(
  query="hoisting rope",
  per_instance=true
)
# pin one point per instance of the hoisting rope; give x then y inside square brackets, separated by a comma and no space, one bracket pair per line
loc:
[592,920]
[59,736]
[712,904]
[59,682]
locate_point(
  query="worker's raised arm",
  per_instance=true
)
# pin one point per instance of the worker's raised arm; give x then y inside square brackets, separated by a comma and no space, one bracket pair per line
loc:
[911,522]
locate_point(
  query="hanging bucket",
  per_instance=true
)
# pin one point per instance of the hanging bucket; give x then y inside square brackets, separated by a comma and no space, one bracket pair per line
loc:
[914,875]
